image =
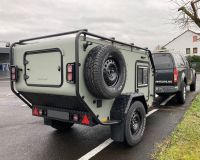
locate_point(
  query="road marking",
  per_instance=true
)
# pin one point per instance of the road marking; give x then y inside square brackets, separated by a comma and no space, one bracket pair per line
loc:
[23,105]
[151,112]
[106,143]
[96,150]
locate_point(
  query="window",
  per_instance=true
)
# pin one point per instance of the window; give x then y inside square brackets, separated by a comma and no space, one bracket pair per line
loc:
[163,60]
[185,61]
[187,50]
[194,38]
[139,76]
[178,60]
[195,50]
[142,76]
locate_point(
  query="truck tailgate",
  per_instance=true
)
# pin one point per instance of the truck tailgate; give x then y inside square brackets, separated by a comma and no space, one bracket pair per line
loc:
[43,68]
[164,77]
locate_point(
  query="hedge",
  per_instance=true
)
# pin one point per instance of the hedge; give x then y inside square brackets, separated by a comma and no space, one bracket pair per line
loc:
[195,62]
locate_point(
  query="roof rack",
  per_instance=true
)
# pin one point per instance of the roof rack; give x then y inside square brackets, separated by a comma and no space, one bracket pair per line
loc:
[52,35]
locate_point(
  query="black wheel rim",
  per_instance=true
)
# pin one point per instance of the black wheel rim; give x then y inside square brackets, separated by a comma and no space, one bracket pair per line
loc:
[135,123]
[110,72]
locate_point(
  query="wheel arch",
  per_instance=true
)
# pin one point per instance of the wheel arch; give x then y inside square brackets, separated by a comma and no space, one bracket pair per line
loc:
[124,101]
[183,78]
[195,76]
[140,98]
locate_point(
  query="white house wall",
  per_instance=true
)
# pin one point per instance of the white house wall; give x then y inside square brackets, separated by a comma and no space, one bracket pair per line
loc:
[180,44]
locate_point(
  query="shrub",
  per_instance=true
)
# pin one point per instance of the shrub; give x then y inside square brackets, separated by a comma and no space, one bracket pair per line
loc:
[195,62]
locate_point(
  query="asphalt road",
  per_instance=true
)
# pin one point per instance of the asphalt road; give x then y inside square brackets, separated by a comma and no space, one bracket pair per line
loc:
[24,137]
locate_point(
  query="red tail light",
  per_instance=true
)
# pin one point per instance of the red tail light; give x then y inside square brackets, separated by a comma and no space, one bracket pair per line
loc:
[85,120]
[175,75]
[37,112]
[70,72]
[13,73]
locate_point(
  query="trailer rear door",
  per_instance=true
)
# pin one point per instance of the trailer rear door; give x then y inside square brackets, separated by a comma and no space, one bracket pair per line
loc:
[43,68]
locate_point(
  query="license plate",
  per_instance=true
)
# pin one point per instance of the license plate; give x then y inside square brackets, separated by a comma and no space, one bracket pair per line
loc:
[58,114]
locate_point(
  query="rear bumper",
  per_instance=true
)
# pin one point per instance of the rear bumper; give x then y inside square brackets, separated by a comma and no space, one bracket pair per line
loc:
[65,115]
[166,89]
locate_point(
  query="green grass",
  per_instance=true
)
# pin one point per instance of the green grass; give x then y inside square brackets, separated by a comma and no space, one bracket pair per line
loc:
[184,143]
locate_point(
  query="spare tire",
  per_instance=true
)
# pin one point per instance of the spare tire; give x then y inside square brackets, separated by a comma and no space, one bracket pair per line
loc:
[105,71]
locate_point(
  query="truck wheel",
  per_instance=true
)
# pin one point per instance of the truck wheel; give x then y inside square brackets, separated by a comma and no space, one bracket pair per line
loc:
[181,95]
[61,126]
[105,72]
[135,123]
[193,85]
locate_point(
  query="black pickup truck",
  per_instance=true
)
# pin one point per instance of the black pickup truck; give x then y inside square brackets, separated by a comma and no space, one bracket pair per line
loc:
[173,75]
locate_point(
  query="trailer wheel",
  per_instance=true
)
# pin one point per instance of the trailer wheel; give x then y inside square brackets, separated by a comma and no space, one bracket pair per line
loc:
[181,95]
[61,126]
[135,123]
[105,72]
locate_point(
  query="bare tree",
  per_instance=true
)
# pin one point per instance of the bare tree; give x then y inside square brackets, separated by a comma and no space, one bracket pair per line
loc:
[188,13]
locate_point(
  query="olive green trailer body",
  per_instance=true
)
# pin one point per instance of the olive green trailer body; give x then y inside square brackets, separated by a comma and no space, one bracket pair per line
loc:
[79,77]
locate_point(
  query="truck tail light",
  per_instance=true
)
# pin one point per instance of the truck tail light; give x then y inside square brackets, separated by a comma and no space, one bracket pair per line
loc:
[13,73]
[175,75]
[37,112]
[70,76]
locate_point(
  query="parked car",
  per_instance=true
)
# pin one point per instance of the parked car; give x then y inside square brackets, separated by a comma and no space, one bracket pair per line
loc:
[85,79]
[173,75]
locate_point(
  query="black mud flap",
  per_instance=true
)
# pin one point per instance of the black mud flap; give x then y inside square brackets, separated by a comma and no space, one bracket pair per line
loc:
[117,132]
[118,113]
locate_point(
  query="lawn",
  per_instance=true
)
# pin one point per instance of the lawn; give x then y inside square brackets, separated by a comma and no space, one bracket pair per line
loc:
[184,143]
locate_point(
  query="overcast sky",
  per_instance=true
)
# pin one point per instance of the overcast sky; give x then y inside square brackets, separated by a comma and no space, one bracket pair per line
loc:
[143,22]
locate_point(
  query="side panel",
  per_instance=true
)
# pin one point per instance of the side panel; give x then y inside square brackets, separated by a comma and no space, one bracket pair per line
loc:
[131,56]
[67,48]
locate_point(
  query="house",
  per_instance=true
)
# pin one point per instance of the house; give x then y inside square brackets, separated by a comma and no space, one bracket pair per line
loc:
[4,60]
[187,43]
